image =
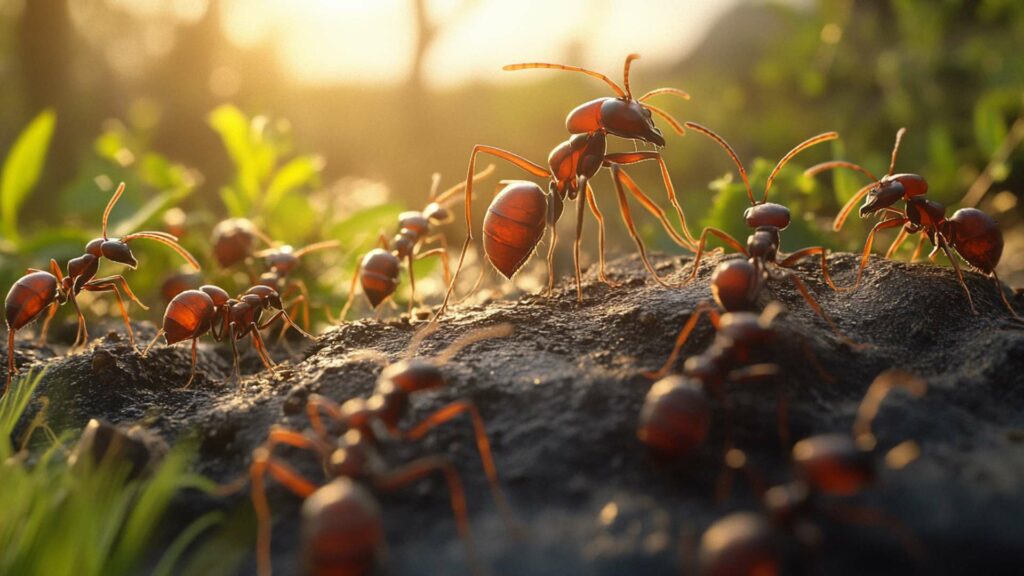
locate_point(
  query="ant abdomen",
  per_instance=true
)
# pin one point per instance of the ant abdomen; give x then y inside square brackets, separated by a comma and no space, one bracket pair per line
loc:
[514,225]
[833,464]
[734,285]
[188,315]
[342,530]
[379,275]
[29,296]
[675,416]
[976,236]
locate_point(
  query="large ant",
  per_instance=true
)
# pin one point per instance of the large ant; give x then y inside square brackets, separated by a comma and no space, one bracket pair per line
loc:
[518,215]
[744,282]
[209,309]
[341,521]
[378,271]
[825,465]
[38,289]
[971,233]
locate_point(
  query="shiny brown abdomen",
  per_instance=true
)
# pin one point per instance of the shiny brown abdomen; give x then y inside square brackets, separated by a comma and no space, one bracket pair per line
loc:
[342,531]
[188,315]
[513,226]
[977,238]
[378,274]
[29,296]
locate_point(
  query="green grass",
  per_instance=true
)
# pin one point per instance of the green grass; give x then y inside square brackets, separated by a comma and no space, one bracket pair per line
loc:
[89,520]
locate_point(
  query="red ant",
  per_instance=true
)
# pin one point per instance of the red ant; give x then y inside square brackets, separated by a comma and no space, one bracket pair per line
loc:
[37,290]
[378,271]
[233,241]
[349,543]
[971,233]
[825,465]
[743,283]
[209,309]
[518,215]
[282,261]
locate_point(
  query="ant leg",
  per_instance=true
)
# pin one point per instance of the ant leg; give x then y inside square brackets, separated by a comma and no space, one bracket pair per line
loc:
[289,323]
[917,251]
[314,404]
[152,342]
[412,286]
[118,279]
[518,161]
[442,250]
[420,468]
[793,258]
[483,446]
[702,308]
[890,223]
[837,224]
[1002,295]
[817,310]
[812,358]
[959,273]
[192,376]
[102,287]
[580,211]
[233,337]
[439,253]
[628,219]
[11,368]
[41,341]
[876,393]
[261,347]
[633,157]
[724,236]
[552,222]
[351,294]
[263,463]
[900,239]
[592,202]
[82,335]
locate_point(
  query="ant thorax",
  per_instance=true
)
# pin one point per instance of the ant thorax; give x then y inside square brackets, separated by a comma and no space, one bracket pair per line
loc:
[763,243]
[924,212]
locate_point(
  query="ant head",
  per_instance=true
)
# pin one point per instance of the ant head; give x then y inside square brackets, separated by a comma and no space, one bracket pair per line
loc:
[232,240]
[414,375]
[118,251]
[219,296]
[767,214]
[389,403]
[628,118]
[94,247]
[437,214]
[833,464]
[268,297]
[886,193]
[415,222]
[282,260]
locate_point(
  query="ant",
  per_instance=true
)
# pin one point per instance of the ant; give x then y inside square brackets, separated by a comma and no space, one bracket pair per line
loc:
[378,271]
[971,233]
[282,261]
[233,241]
[38,289]
[518,215]
[768,220]
[193,313]
[826,465]
[348,543]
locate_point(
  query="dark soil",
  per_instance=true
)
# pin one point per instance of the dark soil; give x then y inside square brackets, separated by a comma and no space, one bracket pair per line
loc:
[561,396]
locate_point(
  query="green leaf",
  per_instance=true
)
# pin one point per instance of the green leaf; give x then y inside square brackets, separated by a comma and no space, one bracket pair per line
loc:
[298,172]
[22,168]
[989,126]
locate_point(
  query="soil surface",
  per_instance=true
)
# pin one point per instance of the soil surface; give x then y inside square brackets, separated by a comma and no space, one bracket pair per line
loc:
[561,396]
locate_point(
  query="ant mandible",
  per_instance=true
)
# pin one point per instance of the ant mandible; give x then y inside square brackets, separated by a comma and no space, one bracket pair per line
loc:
[751,543]
[518,215]
[38,289]
[352,458]
[193,313]
[379,269]
[971,233]
[767,219]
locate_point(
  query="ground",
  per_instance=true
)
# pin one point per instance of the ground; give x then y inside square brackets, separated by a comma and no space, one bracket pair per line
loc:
[561,396]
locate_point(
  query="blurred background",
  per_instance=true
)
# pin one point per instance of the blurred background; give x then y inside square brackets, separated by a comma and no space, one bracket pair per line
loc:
[322,119]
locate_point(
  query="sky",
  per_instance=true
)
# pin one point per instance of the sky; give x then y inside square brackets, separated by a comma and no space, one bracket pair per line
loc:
[372,41]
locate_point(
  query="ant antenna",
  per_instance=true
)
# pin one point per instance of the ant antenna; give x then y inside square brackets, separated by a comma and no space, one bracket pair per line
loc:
[896,149]
[444,196]
[625,74]
[728,149]
[528,65]
[498,331]
[789,156]
[167,239]
[315,247]
[110,206]
[435,182]
[657,91]
[879,389]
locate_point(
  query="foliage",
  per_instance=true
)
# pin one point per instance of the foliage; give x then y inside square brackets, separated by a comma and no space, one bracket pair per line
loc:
[59,519]
[22,168]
